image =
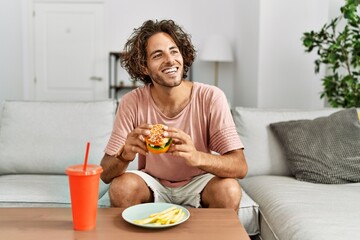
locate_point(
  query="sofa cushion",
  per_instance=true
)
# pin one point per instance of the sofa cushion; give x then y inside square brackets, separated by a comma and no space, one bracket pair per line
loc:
[297,210]
[323,150]
[262,150]
[249,214]
[26,190]
[47,137]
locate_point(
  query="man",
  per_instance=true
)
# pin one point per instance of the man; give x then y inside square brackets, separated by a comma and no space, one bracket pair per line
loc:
[196,117]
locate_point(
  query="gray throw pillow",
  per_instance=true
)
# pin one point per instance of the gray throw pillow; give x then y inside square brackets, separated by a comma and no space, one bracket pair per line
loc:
[323,150]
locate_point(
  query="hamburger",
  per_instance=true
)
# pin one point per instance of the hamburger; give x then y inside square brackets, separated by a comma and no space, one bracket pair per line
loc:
[156,142]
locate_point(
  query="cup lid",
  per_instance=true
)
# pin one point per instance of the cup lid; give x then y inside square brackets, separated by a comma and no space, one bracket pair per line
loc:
[91,169]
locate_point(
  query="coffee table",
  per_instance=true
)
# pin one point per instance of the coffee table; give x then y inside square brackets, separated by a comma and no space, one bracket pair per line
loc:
[56,223]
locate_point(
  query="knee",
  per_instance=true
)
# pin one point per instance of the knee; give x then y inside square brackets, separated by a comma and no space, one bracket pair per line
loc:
[124,188]
[225,193]
[230,188]
[122,183]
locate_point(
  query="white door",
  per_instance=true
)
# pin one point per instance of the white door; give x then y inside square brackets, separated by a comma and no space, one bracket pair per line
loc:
[69,51]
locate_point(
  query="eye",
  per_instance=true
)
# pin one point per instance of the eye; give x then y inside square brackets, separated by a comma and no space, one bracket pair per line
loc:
[174,52]
[157,56]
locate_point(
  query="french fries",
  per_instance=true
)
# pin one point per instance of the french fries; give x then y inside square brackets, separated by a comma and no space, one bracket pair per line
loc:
[168,216]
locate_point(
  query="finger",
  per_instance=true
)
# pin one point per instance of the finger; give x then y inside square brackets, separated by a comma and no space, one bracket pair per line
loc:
[180,137]
[175,132]
[179,154]
[172,129]
[179,148]
[175,141]
[145,126]
[138,134]
[139,150]
[146,132]
[131,142]
[141,138]
[139,131]
[134,149]
[139,143]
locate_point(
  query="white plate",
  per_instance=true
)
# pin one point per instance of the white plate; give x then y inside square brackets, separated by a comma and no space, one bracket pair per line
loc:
[141,211]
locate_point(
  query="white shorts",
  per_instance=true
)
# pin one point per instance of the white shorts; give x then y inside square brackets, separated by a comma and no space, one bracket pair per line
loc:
[187,195]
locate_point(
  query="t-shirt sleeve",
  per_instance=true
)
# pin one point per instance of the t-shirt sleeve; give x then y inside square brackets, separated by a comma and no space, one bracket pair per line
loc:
[223,134]
[123,124]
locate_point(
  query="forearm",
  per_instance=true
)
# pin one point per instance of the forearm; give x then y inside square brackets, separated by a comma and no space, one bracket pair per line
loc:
[231,164]
[112,168]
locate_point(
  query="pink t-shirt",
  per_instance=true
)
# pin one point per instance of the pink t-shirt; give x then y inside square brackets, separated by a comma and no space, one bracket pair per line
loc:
[207,119]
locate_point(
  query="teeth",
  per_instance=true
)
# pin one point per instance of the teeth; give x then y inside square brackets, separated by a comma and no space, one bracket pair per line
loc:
[170,70]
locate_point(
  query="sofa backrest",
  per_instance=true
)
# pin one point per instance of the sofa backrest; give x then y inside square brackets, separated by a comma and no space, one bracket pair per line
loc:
[263,152]
[47,137]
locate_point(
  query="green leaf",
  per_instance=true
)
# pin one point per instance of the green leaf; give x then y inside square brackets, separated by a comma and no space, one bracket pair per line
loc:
[340,52]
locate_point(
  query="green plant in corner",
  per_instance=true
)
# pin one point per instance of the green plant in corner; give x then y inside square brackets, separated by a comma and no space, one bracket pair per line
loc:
[340,52]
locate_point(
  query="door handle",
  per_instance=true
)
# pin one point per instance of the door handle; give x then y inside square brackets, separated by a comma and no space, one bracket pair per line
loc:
[95,78]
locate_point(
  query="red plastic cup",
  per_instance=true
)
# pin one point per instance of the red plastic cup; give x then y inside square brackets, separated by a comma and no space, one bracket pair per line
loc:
[84,191]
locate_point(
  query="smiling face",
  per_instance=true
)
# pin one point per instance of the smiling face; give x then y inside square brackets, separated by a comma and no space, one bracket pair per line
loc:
[164,60]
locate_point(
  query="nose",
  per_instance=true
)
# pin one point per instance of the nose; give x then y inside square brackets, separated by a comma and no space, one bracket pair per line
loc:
[169,58]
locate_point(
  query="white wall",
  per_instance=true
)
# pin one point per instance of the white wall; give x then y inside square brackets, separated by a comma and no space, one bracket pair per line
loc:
[282,56]
[275,68]
[11,50]
[247,53]
[214,17]
[270,67]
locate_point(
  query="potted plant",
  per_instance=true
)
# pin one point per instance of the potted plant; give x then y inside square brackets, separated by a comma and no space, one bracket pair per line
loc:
[340,52]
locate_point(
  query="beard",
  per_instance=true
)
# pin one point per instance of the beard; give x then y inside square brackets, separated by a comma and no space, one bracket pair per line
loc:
[165,82]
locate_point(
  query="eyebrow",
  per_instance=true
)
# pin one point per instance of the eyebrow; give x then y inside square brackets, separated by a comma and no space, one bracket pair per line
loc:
[174,47]
[159,51]
[155,52]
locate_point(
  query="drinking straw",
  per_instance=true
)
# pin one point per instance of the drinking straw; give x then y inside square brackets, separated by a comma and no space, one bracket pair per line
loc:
[86,156]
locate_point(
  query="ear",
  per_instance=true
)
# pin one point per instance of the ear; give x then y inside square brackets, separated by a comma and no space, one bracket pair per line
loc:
[145,70]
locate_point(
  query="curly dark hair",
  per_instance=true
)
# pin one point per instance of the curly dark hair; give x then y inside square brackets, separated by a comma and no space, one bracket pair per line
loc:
[133,57]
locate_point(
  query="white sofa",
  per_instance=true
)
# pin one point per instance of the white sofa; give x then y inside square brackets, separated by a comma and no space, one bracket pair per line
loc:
[290,209]
[38,140]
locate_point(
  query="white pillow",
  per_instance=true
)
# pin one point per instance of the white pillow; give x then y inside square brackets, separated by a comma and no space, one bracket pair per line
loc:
[262,151]
[47,137]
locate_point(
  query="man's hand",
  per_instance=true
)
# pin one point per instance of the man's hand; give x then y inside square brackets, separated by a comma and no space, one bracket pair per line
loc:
[231,164]
[135,142]
[183,146]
